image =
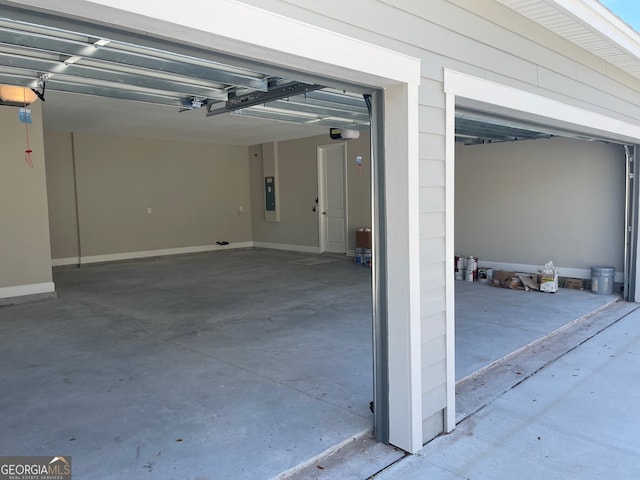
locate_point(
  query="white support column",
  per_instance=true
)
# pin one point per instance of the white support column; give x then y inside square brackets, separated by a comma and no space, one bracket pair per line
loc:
[450,313]
[403,266]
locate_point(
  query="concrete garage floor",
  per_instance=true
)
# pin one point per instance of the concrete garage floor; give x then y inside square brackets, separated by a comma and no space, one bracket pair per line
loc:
[493,322]
[235,364]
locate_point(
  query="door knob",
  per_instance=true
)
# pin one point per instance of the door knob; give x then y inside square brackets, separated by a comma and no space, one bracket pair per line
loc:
[324,213]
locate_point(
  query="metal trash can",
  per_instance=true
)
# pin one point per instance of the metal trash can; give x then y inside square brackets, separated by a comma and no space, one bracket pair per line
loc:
[602,280]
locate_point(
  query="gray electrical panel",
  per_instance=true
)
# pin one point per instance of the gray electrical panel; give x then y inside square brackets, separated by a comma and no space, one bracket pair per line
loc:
[270,194]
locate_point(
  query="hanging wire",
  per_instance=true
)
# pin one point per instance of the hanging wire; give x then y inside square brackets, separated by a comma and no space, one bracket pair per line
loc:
[28,151]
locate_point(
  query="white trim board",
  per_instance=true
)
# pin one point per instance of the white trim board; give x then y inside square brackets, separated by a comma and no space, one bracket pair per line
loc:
[498,98]
[450,309]
[61,262]
[583,273]
[114,257]
[287,247]
[30,289]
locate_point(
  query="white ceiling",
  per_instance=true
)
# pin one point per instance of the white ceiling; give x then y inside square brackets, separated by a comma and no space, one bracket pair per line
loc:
[82,113]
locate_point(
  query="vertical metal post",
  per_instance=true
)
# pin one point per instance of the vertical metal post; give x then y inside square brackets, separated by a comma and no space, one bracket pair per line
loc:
[375,104]
[631,222]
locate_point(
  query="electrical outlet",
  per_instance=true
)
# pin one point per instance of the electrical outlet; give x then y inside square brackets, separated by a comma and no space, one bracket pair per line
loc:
[149,212]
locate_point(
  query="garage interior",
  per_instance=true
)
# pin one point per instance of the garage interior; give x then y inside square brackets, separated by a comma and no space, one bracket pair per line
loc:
[522,193]
[251,357]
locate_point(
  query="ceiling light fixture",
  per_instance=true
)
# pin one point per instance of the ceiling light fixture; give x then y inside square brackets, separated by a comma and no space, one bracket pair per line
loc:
[15,96]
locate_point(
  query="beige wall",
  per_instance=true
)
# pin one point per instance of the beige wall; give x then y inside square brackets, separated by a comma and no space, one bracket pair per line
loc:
[63,214]
[533,201]
[298,189]
[25,256]
[194,192]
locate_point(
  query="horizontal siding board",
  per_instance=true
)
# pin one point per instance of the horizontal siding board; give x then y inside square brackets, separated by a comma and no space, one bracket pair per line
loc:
[433,351]
[433,65]
[431,120]
[432,300]
[432,199]
[503,42]
[602,82]
[547,48]
[436,398]
[431,93]
[432,173]
[431,251]
[579,91]
[432,224]
[432,276]
[432,147]
[432,426]
[433,326]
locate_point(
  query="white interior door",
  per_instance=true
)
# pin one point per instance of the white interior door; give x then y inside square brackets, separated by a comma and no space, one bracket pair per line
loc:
[332,198]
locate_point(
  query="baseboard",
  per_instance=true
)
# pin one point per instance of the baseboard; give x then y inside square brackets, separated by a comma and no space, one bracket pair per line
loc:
[114,257]
[30,289]
[61,262]
[287,247]
[584,273]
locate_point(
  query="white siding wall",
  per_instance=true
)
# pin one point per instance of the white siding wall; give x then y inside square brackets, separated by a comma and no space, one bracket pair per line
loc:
[481,38]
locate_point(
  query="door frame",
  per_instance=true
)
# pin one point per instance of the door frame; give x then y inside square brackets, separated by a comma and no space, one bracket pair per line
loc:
[632,203]
[322,229]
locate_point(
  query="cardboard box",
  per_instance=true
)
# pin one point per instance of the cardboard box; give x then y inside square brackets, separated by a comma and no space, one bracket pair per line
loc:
[504,279]
[529,281]
[363,239]
[574,283]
